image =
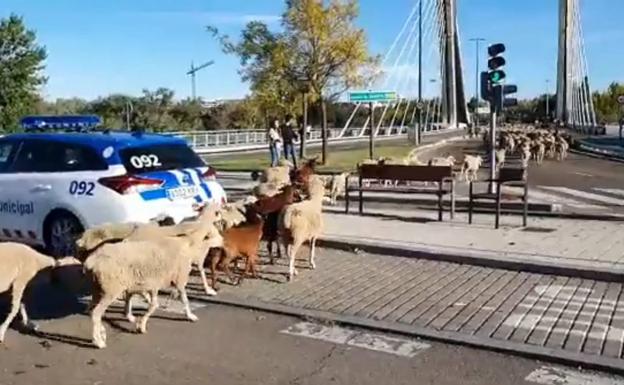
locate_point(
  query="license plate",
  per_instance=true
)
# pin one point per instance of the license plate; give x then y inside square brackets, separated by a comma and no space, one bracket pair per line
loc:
[184,192]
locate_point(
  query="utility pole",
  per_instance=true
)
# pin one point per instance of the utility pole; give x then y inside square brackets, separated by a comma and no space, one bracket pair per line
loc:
[192,72]
[129,109]
[477,40]
[420,64]
[547,100]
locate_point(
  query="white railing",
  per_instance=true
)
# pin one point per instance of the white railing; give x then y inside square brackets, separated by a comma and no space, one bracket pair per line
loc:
[205,142]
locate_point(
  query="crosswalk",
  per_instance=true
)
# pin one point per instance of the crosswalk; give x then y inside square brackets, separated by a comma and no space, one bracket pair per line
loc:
[590,198]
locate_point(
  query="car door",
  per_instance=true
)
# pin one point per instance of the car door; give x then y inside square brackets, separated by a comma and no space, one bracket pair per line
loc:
[56,176]
[16,209]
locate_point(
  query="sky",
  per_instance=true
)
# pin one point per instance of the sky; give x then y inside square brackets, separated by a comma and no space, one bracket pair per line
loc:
[99,47]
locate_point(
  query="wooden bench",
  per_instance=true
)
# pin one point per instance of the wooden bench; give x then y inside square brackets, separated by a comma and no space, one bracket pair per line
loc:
[515,177]
[441,175]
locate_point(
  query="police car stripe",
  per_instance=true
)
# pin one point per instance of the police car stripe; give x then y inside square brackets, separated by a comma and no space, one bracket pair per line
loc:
[151,195]
[203,184]
[195,181]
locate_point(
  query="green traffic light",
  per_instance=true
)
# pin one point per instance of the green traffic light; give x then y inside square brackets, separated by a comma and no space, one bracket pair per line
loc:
[497,76]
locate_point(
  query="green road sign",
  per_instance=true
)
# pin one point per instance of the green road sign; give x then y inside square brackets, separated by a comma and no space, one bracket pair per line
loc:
[372,96]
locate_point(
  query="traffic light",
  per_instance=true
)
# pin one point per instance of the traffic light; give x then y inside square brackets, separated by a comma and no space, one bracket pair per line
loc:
[499,99]
[486,86]
[495,63]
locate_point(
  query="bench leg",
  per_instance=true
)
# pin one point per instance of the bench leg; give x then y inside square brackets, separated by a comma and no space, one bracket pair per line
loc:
[440,206]
[452,199]
[525,212]
[347,196]
[361,201]
[470,204]
[498,206]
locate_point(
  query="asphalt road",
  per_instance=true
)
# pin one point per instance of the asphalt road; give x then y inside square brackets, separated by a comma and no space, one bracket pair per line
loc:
[236,346]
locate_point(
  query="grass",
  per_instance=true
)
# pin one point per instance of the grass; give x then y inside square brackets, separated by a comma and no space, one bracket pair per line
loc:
[339,159]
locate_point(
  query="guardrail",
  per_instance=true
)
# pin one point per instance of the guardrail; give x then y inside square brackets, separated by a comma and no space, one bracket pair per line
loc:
[212,142]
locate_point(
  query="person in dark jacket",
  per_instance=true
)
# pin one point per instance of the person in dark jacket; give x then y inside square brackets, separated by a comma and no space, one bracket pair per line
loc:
[289,136]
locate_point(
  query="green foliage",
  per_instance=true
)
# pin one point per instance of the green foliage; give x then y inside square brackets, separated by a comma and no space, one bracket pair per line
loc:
[608,110]
[21,64]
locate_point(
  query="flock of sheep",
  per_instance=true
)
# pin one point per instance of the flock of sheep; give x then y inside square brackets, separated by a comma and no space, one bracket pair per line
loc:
[127,259]
[123,260]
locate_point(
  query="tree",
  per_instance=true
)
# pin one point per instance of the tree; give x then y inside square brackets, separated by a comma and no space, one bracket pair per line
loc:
[325,48]
[21,66]
[320,47]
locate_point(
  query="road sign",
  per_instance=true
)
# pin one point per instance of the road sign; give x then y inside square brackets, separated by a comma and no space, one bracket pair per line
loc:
[620,99]
[372,96]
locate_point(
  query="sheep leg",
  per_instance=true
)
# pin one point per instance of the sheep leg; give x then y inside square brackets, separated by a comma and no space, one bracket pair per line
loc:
[312,252]
[99,331]
[128,309]
[202,273]
[292,254]
[187,306]
[16,300]
[270,251]
[215,257]
[142,324]
[25,321]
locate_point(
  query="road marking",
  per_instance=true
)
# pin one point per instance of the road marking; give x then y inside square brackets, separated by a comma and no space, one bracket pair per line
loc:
[583,174]
[549,375]
[585,195]
[612,191]
[338,335]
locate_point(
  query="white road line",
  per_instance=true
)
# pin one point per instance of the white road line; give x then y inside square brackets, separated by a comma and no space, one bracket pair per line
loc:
[585,195]
[549,375]
[536,196]
[612,191]
[582,174]
[380,343]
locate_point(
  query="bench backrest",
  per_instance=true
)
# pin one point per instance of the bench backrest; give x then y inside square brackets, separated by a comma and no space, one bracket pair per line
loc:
[512,174]
[406,173]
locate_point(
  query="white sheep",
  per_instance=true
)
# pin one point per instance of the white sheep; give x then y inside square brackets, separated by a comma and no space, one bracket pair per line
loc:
[337,187]
[301,222]
[139,267]
[205,222]
[439,161]
[279,175]
[500,158]
[470,167]
[19,264]
[266,189]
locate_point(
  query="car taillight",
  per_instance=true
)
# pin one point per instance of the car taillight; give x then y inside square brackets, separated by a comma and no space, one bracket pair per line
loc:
[128,184]
[210,174]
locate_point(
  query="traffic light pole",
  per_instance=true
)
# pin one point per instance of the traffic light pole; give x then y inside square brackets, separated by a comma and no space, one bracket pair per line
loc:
[371,134]
[492,150]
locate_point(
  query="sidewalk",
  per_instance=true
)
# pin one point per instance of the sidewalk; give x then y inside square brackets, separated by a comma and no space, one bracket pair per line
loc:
[574,243]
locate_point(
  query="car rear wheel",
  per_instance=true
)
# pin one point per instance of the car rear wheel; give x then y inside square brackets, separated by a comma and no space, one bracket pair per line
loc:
[60,233]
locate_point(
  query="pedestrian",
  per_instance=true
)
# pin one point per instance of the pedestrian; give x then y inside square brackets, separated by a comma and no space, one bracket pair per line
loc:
[275,143]
[289,135]
[621,127]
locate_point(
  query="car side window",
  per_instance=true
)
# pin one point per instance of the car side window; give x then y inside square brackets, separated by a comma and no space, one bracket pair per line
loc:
[7,150]
[42,156]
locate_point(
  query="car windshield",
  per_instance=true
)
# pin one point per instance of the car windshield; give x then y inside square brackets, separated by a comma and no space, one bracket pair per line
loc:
[159,157]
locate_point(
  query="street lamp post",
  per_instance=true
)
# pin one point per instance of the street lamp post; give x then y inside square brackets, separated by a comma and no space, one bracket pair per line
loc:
[477,40]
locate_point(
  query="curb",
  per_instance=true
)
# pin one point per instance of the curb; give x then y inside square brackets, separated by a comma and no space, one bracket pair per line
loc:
[479,258]
[558,356]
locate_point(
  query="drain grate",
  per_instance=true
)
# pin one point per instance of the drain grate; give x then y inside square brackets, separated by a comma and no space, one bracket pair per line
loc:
[538,230]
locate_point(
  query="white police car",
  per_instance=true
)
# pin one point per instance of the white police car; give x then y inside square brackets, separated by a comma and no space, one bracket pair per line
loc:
[53,185]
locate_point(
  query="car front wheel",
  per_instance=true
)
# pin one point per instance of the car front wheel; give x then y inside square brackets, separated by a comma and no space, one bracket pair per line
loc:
[61,232]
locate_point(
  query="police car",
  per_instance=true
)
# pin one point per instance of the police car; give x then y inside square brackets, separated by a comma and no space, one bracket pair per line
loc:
[53,184]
